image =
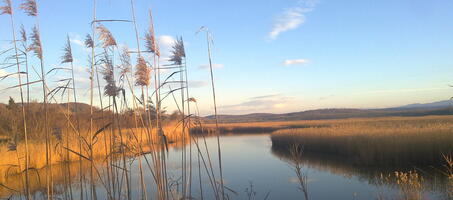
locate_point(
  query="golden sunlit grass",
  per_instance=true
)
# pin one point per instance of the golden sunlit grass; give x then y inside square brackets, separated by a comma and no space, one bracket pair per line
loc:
[8,163]
[376,141]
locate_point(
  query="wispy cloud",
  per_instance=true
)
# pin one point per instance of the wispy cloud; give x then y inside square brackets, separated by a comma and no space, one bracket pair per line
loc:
[3,72]
[268,103]
[77,42]
[76,39]
[198,84]
[214,66]
[295,62]
[291,18]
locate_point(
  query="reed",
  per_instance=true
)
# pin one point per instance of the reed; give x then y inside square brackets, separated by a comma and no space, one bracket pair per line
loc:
[68,58]
[103,141]
[209,41]
[7,9]
[405,141]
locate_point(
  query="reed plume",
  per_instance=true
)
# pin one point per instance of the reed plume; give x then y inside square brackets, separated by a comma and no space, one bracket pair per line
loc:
[105,36]
[89,41]
[142,73]
[150,38]
[23,34]
[178,52]
[125,59]
[67,52]
[110,89]
[30,8]
[36,43]
[6,9]
[150,43]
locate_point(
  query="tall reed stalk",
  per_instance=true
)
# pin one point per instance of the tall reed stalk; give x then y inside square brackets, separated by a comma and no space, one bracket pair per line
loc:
[142,180]
[7,9]
[208,40]
[68,58]
[93,62]
[30,7]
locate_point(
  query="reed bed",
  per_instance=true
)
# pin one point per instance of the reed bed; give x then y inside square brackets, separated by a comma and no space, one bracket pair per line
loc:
[257,127]
[395,141]
[8,163]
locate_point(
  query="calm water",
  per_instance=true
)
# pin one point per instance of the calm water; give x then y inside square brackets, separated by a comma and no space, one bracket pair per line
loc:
[251,160]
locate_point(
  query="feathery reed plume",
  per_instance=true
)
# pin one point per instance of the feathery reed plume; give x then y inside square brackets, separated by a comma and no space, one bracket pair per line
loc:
[110,88]
[89,41]
[142,73]
[36,43]
[105,36]
[23,34]
[125,59]
[6,9]
[150,43]
[67,52]
[178,52]
[150,38]
[29,7]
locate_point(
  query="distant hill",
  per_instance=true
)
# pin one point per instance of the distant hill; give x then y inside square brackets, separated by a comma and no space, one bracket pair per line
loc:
[435,108]
[438,104]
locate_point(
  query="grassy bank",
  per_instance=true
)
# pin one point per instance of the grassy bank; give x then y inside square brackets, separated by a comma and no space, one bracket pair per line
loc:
[257,127]
[137,141]
[391,141]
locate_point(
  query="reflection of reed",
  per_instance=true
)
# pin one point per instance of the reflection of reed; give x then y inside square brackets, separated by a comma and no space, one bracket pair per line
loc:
[38,180]
[399,142]
[302,177]
[10,183]
[433,180]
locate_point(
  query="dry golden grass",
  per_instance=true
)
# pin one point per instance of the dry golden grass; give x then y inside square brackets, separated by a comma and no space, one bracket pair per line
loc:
[137,141]
[377,141]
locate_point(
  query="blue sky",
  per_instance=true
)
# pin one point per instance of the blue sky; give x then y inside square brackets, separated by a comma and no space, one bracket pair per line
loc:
[276,55]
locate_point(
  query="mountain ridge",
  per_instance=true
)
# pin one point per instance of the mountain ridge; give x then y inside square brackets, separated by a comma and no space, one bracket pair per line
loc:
[416,109]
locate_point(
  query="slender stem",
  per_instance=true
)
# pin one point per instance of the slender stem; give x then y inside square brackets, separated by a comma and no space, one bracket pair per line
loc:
[216,116]
[93,61]
[27,183]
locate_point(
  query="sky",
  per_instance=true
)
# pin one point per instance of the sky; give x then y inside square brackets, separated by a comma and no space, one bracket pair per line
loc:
[270,56]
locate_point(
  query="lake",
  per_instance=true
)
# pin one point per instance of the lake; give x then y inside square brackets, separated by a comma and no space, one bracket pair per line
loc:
[253,169]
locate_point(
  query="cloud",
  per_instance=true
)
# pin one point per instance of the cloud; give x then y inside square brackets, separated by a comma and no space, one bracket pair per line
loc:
[326,97]
[291,18]
[266,96]
[3,72]
[76,39]
[77,42]
[165,43]
[197,84]
[214,66]
[269,103]
[295,62]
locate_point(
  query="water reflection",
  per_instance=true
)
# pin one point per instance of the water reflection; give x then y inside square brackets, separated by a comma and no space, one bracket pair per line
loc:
[434,184]
[253,166]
